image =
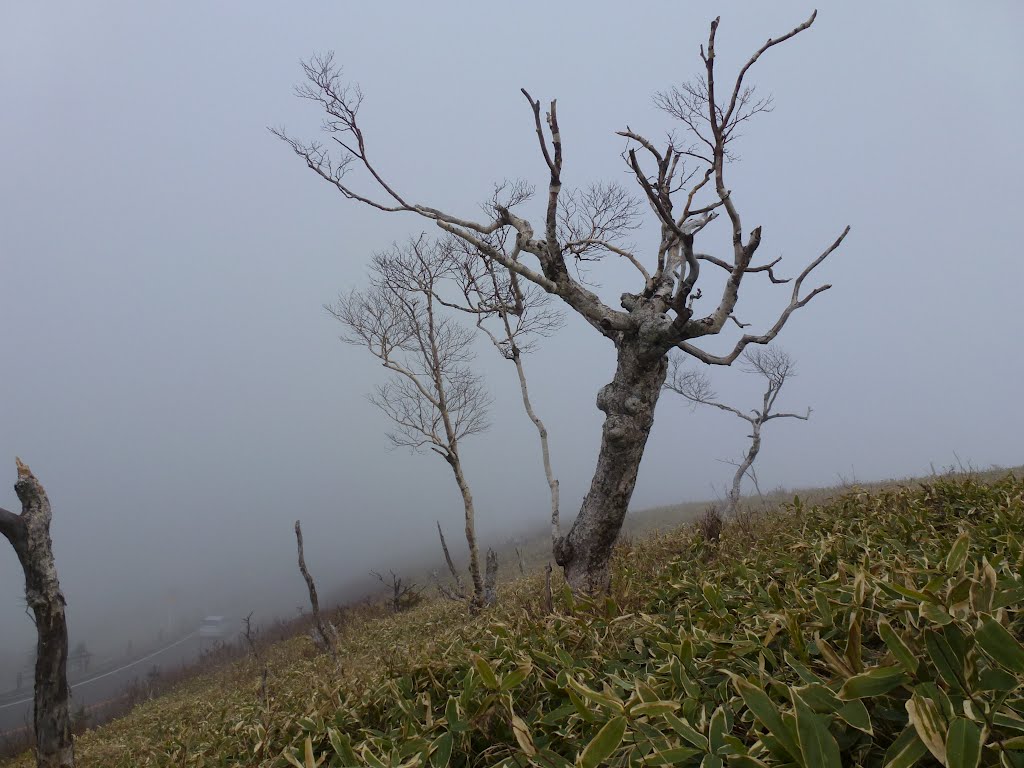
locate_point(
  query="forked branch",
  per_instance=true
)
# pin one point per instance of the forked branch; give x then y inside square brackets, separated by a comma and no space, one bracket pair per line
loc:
[796,302]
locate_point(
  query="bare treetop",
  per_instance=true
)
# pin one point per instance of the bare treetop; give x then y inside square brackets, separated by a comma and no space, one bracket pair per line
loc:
[683,182]
[592,223]
[429,351]
[776,367]
[492,293]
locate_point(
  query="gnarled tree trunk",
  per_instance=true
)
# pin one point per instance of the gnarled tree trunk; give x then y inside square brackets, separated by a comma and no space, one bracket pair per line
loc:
[628,403]
[29,534]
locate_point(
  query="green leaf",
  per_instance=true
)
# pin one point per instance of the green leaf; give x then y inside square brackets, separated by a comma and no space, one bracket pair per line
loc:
[958,553]
[874,682]
[905,751]
[984,589]
[999,644]
[515,677]
[963,744]
[603,744]
[819,697]
[717,731]
[854,713]
[688,732]
[597,698]
[935,614]
[653,708]
[993,679]
[853,646]
[817,745]
[371,759]
[948,662]
[486,672]
[912,594]
[582,709]
[342,746]
[745,761]
[897,647]
[758,702]
[824,609]
[671,756]
[441,751]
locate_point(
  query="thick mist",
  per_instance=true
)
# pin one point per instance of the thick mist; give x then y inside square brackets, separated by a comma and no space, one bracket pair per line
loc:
[172,379]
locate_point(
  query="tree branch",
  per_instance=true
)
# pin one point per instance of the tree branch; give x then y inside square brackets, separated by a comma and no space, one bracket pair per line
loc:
[612,249]
[748,270]
[326,636]
[772,41]
[11,525]
[803,417]
[795,303]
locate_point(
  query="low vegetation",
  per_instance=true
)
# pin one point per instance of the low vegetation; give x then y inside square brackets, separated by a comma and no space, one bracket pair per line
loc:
[878,629]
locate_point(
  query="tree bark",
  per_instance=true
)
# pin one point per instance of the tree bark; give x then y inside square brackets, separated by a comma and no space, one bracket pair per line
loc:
[326,636]
[628,403]
[542,431]
[491,579]
[459,593]
[29,534]
[741,470]
[479,597]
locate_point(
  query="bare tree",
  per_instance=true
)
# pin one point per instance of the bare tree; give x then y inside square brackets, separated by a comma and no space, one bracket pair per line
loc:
[325,630]
[521,314]
[250,639]
[82,656]
[459,593]
[491,578]
[771,363]
[434,400]
[29,534]
[404,595]
[685,187]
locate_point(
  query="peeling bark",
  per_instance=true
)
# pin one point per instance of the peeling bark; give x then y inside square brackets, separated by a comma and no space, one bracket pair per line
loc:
[29,534]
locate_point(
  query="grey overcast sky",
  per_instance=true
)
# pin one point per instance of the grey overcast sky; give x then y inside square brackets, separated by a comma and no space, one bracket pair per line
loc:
[171,377]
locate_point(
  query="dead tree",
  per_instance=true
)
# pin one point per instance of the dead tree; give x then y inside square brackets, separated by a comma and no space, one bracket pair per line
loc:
[434,400]
[250,639]
[685,185]
[459,593]
[325,630]
[491,578]
[403,594]
[513,314]
[29,534]
[771,363]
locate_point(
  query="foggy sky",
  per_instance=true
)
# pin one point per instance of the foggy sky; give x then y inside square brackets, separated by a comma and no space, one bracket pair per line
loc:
[171,377]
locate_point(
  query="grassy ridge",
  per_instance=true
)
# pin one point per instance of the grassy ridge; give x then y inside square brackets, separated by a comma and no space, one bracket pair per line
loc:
[877,629]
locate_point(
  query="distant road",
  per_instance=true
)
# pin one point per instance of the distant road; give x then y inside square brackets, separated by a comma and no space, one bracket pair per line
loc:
[14,714]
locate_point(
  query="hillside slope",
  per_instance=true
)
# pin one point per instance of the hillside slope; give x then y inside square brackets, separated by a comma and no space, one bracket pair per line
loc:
[877,629]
